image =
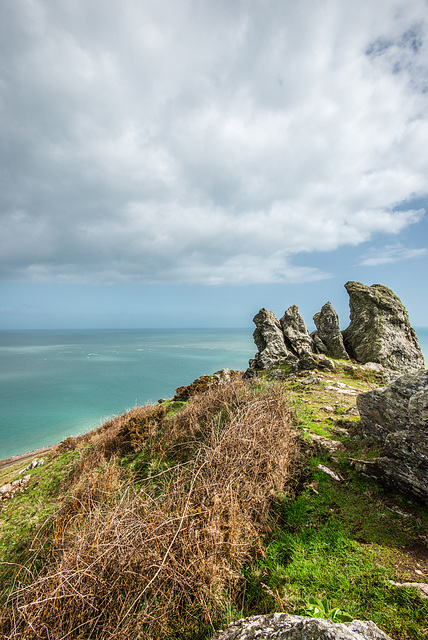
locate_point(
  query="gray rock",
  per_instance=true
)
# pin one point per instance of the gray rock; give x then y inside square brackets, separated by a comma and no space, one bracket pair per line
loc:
[326,444]
[269,339]
[323,362]
[318,345]
[306,361]
[380,331]
[276,374]
[397,415]
[328,331]
[280,626]
[295,332]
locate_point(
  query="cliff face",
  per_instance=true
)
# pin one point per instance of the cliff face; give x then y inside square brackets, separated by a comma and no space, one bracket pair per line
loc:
[379,332]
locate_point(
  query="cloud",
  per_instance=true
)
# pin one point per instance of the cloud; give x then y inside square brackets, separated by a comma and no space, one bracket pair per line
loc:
[206,142]
[390,254]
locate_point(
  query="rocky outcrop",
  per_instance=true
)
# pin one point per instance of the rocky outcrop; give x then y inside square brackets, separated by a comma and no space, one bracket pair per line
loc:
[378,335]
[328,333]
[280,626]
[379,330]
[397,415]
[269,339]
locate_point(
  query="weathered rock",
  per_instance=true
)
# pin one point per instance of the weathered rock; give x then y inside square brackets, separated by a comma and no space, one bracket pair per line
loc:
[280,626]
[397,415]
[276,374]
[323,362]
[326,444]
[380,331]
[328,331]
[269,339]
[295,331]
[9,490]
[297,338]
[318,345]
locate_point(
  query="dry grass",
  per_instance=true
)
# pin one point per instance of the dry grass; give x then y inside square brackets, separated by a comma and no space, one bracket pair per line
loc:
[158,558]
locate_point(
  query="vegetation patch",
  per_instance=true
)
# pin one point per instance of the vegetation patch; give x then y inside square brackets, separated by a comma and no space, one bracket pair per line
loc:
[172,520]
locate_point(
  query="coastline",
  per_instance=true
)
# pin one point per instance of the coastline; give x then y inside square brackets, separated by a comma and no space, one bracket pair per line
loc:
[8,462]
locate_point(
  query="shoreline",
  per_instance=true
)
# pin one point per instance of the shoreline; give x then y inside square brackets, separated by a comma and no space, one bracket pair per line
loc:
[8,462]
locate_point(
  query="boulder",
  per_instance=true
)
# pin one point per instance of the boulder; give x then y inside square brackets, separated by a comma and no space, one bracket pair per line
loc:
[380,331]
[280,626]
[329,333]
[269,339]
[397,416]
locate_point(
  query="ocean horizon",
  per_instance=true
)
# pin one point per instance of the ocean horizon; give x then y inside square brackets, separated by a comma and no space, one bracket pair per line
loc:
[60,383]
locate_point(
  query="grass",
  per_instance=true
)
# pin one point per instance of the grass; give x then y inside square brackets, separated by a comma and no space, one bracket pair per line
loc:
[156,545]
[172,520]
[343,543]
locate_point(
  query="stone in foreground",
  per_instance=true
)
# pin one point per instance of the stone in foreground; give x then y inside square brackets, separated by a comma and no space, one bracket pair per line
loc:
[397,416]
[380,331]
[280,626]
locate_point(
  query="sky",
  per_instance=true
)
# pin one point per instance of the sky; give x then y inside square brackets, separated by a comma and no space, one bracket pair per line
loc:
[183,163]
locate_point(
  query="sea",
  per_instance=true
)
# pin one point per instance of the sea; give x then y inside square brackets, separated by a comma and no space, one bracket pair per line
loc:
[55,384]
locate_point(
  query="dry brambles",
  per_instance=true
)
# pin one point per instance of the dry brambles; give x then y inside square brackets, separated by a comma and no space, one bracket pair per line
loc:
[156,553]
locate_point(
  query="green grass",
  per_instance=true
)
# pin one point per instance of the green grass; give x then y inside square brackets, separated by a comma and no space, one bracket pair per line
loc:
[341,543]
[22,517]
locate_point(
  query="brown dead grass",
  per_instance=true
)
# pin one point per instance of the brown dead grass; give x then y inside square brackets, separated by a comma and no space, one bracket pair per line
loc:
[158,558]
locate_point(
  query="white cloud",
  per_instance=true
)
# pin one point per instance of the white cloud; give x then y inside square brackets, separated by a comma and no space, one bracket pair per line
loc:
[390,254]
[207,142]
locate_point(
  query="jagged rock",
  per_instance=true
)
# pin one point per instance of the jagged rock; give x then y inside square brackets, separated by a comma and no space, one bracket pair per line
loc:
[397,415]
[329,333]
[297,338]
[318,345]
[295,331]
[280,626]
[380,331]
[269,339]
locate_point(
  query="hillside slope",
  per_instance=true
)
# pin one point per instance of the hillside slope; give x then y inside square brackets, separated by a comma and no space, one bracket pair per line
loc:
[172,520]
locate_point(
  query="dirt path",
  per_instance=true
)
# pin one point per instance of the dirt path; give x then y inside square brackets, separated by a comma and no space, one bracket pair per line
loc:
[8,462]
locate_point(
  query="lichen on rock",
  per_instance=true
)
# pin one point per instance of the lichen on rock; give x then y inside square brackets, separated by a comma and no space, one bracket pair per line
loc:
[380,330]
[280,626]
[397,415]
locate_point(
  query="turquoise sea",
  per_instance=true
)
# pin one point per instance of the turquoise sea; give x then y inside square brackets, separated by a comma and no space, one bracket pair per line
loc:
[54,384]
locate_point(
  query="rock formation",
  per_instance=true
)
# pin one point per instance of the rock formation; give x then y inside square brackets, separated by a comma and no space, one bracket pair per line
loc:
[397,416]
[280,626]
[269,339]
[328,333]
[379,330]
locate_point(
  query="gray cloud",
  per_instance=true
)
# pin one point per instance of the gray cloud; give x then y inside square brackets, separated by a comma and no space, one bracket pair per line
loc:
[202,142]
